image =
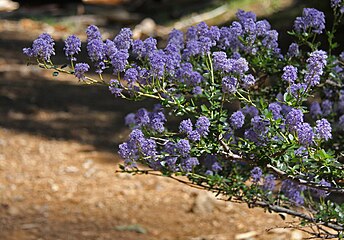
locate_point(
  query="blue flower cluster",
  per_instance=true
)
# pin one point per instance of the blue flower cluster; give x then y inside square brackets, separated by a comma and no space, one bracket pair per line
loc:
[42,47]
[311,19]
[242,106]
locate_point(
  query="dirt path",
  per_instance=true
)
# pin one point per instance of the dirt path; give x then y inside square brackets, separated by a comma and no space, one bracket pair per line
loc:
[58,189]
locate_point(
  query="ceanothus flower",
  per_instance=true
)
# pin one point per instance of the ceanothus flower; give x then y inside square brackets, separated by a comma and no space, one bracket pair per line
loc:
[294,118]
[216,167]
[131,75]
[327,106]
[293,191]
[262,27]
[297,89]
[311,19]
[197,90]
[305,134]
[240,65]
[229,37]
[221,62]
[185,74]
[72,46]
[250,111]
[183,147]
[157,124]
[136,136]
[115,87]
[92,32]
[237,119]
[269,183]
[80,69]
[315,109]
[341,122]
[259,125]
[119,61]
[229,84]
[123,39]
[315,65]
[289,74]
[176,38]
[248,80]
[194,136]
[276,109]
[319,193]
[185,126]
[192,49]
[142,117]
[189,163]
[157,60]
[323,129]
[256,174]
[202,126]
[293,50]
[301,152]
[337,3]
[129,119]
[270,41]
[42,47]
[148,147]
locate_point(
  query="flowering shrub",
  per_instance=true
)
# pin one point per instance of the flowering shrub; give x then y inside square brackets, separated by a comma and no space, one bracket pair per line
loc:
[254,125]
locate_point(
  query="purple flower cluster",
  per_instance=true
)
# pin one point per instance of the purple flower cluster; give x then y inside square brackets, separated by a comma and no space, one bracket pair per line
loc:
[138,145]
[323,129]
[202,128]
[293,50]
[80,69]
[290,74]
[315,65]
[311,19]
[42,47]
[338,4]
[319,193]
[293,191]
[153,121]
[229,84]
[256,174]
[315,109]
[185,74]
[305,134]
[276,109]
[237,119]
[72,46]
[327,107]
[269,183]
[294,118]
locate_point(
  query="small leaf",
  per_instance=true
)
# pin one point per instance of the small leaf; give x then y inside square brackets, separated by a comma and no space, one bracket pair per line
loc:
[55,74]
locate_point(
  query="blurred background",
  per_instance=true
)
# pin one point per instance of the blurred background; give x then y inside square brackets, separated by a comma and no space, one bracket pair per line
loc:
[58,138]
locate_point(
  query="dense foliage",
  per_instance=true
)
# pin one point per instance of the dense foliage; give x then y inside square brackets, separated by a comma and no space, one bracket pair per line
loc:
[254,124]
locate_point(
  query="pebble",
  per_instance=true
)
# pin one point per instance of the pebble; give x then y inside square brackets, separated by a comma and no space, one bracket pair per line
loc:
[27,226]
[13,211]
[87,164]
[296,235]
[55,187]
[71,169]
[204,203]
[210,237]
[246,236]
[90,172]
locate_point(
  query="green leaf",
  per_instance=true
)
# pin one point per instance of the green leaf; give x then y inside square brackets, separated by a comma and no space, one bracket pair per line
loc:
[204,108]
